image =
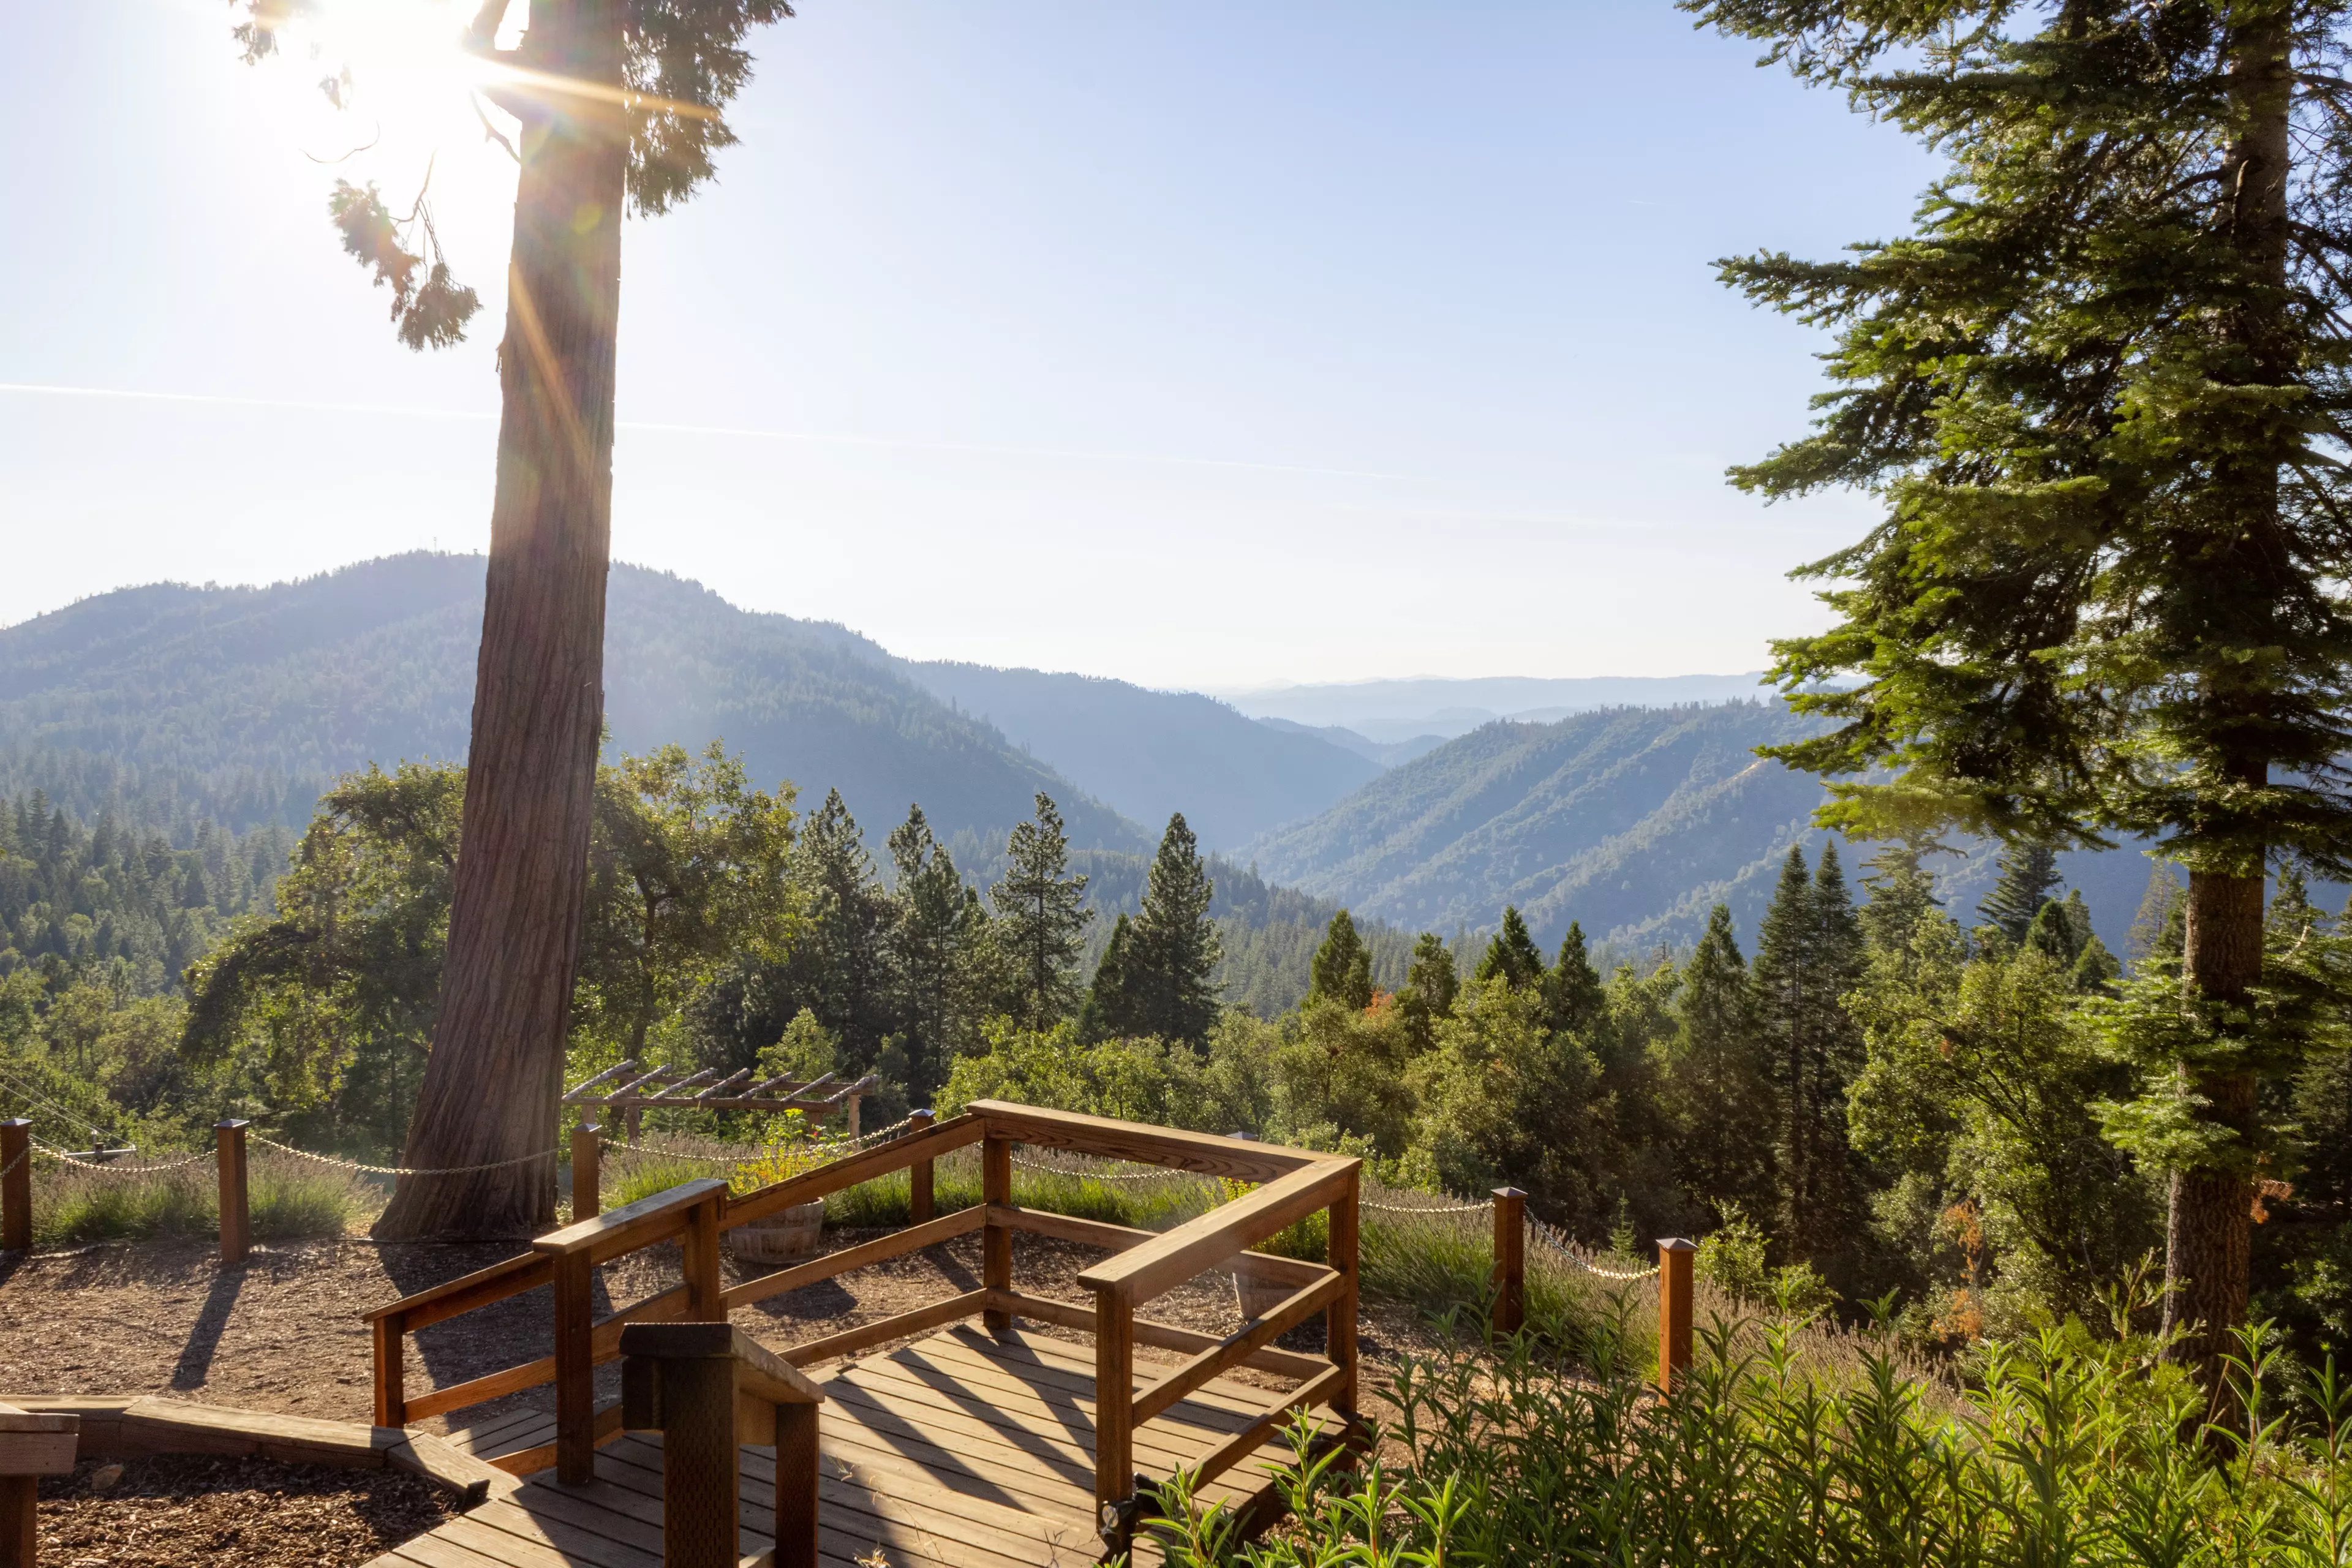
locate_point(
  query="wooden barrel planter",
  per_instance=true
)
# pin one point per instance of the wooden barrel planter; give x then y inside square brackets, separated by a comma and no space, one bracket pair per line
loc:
[781,1238]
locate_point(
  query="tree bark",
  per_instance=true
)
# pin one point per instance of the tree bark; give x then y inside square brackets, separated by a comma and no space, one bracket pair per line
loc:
[2208,1230]
[493,1082]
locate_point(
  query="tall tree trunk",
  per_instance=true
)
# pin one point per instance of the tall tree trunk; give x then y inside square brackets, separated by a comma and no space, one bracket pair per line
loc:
[2208,1230]
[496,1074]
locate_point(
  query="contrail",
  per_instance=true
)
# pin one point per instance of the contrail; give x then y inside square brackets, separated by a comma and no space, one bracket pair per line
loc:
[1064,453]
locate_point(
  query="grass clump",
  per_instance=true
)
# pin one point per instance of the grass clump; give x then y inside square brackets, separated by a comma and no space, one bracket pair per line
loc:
[74,1207]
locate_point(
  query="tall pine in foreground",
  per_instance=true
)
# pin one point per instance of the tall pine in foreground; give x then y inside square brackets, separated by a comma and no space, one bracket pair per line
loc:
[1171,946]
[1808,956]
[1041,920]
[616,106]
[2101,391]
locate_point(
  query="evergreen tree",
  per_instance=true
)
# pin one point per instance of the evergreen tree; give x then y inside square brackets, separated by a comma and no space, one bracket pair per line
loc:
[2101,391]
[1512,954]
[1041,920]
[1809,955]
[1573,996]
[1716,1086]
[937,925]
[844,953]
[1111,1008]
[1902,894]
[1173,946]
[2029,875]
[1343,970]
[1430,986]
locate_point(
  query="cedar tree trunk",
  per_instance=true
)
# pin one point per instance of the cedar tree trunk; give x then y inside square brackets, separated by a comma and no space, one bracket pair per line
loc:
[2208,1230]
[496,1074]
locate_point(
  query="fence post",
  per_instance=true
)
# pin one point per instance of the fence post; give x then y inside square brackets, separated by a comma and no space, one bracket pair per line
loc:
[236,1218]
[852,1116]
[996,1240]
[1510,1283]
[919,1174]
[699,1247]
[587,1175]
[1674,1258]
[391,1370]
[1115,1503]
[16,1186]
[1339,1317]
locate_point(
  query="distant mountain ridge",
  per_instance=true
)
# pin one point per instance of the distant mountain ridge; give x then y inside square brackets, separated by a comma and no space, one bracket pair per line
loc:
[1388,712]
[244,702]
[1633,822]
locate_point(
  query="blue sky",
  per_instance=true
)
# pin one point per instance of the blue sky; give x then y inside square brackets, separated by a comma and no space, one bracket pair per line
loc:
[1211,344]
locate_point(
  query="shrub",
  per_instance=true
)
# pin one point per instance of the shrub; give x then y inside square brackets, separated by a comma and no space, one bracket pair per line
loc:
[72,1207]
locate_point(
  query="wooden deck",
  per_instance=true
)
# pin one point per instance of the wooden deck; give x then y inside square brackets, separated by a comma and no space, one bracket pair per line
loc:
[965,1448]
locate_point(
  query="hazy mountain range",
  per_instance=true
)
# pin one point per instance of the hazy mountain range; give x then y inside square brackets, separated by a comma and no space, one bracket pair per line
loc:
[240,704]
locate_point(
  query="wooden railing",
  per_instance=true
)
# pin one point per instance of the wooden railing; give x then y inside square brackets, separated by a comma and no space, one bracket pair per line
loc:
[1292,1184]
[707,1389]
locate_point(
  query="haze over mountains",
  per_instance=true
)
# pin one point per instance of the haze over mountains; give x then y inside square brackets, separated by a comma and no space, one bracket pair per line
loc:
[240,704]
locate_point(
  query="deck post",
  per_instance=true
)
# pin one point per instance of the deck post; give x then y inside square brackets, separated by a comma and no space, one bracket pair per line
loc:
[1115,1503]
[391,1369]
[1675,1259]
[707,1388]
[575,1370]
[18,1539]
[796,1495]
[236,1216]
[919,1174]
[853,1117]
[587,1175]
[701,1490]
[16,1186]
[1339,1317]
[996,1241]
[1510,1284]
[699,1247]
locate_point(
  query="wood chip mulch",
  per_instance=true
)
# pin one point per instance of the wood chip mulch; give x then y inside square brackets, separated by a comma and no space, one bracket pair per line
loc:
[174,1510]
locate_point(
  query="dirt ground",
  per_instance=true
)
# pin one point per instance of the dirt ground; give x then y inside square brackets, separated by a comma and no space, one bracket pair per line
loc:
[236,1513]
[283,1332]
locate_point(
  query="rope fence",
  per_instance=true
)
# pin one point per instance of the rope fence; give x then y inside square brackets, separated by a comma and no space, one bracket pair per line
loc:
[404,1169]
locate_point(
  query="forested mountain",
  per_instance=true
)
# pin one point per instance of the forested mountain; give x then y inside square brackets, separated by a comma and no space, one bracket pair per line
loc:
[1149,753]
[1386,711]
[240,704]
[1631,821]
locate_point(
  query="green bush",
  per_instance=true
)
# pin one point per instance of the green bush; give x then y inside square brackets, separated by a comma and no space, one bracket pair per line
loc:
[2068,1450]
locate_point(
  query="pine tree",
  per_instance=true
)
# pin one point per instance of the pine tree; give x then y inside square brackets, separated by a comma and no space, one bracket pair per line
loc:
[1715,1086]
[1431,984]
[1574,999]
[1342,967]
[846,949]
[1110,1009]
[2101,391]
[1512,954]
[1041,918]
[937,926]
[2029,875]
[1902,894]
[1173,946]
[1809,955]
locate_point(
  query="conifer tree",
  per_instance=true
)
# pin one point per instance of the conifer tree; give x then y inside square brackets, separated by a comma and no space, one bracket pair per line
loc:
[1573,995]
[2028,876]
[1041,918]
[846,949]
[938,924]
[1173,946]
[618,106]
[1808,956]
[1431,984]
[1110,1008]
[1716,1086]
[1512,954]
[1902,894]
[1343,968]
[2101,391]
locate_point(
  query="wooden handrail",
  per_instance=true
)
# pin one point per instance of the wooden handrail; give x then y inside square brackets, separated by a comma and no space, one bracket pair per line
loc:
[1159,1335]
[524,1271]
[632,1225]
[914,1238]
[604,1344]
[1111,1237]
[1236,1347]
[1169,1259]
[1204,1152]
[864,1167]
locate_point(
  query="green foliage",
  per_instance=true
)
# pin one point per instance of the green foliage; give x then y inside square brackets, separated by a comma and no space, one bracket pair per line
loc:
[1041,920]
[1512,957]
[73,1208]
[1172,948]
[2071,1450]
[1714,1079]
[2027,875]
[1343,966]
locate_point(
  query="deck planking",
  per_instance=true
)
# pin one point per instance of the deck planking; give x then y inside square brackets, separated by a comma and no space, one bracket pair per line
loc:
[962,1450]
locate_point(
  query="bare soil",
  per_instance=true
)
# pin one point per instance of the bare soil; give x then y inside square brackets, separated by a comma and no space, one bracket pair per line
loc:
[283,1332]
[168,1512]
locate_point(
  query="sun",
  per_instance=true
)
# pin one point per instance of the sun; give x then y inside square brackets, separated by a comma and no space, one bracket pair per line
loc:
[390,77]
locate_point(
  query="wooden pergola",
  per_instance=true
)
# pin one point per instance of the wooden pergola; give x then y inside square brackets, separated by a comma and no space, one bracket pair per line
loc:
[631,1090]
